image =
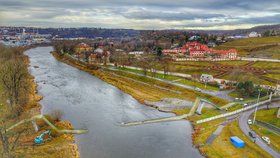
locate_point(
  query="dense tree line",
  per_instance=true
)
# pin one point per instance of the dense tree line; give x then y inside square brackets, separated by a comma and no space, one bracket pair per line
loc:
[248,89]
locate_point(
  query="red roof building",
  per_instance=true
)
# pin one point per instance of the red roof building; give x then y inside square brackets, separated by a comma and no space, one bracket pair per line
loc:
[198,50]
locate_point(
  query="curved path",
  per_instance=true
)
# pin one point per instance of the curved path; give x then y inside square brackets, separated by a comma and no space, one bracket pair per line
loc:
[245,129]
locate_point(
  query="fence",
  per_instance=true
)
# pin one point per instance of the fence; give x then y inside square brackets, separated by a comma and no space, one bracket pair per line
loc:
[233,112]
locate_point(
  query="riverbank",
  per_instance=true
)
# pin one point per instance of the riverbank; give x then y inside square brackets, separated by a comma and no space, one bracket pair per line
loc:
[147,89]
[59,146]
[62,145]
[144,89]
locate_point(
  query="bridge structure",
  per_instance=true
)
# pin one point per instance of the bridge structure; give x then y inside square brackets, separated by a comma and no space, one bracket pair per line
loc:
[197,108]
[236,111]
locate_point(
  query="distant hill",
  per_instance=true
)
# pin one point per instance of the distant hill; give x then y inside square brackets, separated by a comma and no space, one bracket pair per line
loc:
[120,33]
[263,47]
[259,29]
[77,32]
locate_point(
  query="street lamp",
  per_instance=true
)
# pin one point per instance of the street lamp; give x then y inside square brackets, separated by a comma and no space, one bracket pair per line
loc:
[257,106]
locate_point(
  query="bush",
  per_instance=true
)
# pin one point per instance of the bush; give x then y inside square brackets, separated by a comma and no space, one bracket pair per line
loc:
[56,115]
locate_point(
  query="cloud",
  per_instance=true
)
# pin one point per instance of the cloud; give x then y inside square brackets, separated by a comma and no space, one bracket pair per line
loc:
[144,14]
[141,14]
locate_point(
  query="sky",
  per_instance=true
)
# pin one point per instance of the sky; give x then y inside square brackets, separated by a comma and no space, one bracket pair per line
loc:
[140,14]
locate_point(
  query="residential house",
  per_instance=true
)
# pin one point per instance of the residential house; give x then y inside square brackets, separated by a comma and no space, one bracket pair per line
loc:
[136,53]
[81,50]
[206,78]
[254,34]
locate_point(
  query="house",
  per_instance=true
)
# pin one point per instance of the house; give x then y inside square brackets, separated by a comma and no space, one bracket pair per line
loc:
[92,58]
[198,50]
[82,47]
[136,53]
[81,50]
[100,55]
[254,34]
[225,54]
[206,78]
[98,51]
[211,44]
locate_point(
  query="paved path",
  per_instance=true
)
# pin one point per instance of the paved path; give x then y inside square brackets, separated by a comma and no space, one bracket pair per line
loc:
[215,134]
[220,94]
[245,129]
[260,59]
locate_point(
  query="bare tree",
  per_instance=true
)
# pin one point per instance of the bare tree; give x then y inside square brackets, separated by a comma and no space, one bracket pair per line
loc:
[165,63]
[14,80]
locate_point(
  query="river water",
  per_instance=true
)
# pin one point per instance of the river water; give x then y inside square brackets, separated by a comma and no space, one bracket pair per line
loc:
[91,103]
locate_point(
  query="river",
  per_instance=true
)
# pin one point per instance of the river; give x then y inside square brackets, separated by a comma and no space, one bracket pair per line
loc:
[88,102]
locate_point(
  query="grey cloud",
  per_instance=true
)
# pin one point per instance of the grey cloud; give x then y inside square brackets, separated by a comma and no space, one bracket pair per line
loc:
[163,15]
[211,13]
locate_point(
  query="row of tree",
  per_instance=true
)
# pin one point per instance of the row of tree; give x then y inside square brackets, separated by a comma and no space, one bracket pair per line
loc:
[14,91]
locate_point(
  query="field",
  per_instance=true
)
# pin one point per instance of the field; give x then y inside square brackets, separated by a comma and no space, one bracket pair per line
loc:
[265,73]
[268,116]
[267,47]
[222,147]
[174,79]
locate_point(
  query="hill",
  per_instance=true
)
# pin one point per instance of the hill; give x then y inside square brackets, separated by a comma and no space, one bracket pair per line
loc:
[262,47]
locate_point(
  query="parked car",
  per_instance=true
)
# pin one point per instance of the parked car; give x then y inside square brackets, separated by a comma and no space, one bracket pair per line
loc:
[241,99]
[252,134]
[197,89]
[250,122]
[266,139]
[245,104]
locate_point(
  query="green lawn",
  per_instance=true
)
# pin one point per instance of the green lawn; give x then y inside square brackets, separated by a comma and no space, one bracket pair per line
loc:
[269,116]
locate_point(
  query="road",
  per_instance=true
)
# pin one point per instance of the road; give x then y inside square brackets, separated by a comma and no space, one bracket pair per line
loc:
[220,94]
[245,129]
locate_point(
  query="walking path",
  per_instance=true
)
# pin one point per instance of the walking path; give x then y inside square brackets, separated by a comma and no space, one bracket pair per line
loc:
[220,94]
[215,134]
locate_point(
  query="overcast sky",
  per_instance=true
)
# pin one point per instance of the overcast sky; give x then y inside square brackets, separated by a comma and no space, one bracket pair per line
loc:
[140,14]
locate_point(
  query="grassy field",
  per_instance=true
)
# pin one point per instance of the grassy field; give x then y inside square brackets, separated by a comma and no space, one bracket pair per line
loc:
[175,79]
[237,72]
[255,47]
[245,76]
[233,63]
[222,147]
[274,138]
[269,116]
[266,65]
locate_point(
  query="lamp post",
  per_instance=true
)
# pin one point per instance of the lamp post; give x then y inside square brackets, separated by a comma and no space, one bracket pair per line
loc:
[257,106]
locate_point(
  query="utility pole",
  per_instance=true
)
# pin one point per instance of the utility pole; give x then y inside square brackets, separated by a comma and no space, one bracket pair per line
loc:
[257,107]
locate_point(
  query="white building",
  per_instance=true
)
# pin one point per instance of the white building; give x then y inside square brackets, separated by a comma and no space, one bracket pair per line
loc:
[206,78]
[254,34]
[136,53]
